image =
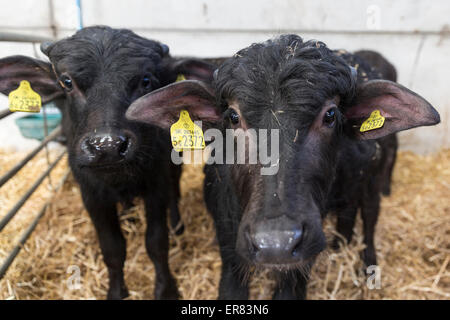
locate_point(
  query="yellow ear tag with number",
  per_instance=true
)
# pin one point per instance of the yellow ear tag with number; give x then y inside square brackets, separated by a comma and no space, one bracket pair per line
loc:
[375,121]
[185,134]
[24,99]
[180,77]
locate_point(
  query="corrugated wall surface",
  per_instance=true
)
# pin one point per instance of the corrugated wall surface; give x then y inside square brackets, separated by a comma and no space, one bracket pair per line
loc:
[413,34]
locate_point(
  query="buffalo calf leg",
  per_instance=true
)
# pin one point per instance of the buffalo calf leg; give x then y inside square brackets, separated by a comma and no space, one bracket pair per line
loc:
[175,219]
[234,277]
[112,243]
[388,167]
[345,223]
[233,283]
[369,212]
[157,244]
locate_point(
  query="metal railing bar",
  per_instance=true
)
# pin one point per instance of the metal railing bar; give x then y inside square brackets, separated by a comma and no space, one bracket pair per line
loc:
[52,136]
[17,37]
[47,153]
[5,113]
[30,191]
[9,260]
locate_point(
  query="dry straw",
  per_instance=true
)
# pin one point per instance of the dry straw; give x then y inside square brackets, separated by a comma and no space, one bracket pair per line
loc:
[412,240]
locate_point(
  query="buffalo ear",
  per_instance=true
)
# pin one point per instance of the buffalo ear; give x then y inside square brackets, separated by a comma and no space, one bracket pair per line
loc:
[164,49]
[42,79]
[191,69]
[162,107]
[46,47]
[402,109]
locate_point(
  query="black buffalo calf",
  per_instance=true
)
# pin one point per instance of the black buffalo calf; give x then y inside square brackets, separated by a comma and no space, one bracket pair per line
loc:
[95,75]
[318,103]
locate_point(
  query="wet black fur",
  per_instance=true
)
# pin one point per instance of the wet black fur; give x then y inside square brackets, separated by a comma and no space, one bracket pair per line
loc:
[343,175]
[107,65]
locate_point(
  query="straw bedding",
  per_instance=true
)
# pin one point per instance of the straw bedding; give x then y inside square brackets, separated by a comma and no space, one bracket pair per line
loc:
[412,241]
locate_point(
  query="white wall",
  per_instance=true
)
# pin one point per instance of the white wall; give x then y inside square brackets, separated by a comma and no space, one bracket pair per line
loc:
[412,34]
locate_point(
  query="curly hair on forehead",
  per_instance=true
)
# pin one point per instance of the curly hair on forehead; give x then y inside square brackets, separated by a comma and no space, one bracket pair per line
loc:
[103,40]
[116,52]
[285,73]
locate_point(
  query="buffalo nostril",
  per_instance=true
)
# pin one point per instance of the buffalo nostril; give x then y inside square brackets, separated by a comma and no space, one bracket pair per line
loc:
[88,147]
[124,146]
[298,239]
[276,246]
[253,248]
[107,147]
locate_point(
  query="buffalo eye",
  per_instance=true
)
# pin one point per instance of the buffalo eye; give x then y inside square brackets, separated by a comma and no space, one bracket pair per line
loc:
[329,117]
[146,82]
[66,82]
[234,116]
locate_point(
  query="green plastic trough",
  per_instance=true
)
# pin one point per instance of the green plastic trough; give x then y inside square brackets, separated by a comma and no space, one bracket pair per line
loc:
[32,126]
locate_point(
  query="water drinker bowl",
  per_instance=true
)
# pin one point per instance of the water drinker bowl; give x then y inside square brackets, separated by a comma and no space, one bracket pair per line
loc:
[32,126]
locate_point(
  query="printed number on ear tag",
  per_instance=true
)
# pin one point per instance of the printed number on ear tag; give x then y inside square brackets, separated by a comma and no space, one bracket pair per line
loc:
[375,121]
[24,99]
[185,134]
[180,77]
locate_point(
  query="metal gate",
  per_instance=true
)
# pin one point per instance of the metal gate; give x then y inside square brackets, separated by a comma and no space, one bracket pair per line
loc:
[52,136]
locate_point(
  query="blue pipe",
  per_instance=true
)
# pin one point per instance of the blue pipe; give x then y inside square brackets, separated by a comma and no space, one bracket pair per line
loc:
[80,15]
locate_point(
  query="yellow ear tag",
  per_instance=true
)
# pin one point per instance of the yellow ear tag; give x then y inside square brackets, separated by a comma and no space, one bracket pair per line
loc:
[375,121]
[24,99]
[180,77]
[185,134]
